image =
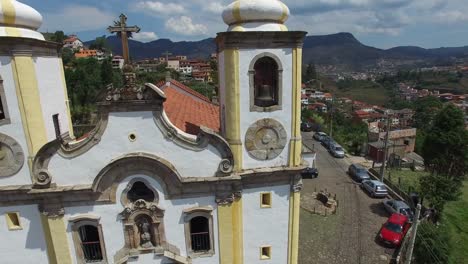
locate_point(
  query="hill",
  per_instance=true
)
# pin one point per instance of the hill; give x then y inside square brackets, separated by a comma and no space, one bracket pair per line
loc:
[341,49]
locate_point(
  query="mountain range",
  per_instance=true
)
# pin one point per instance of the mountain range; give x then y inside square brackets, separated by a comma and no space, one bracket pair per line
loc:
[341,49]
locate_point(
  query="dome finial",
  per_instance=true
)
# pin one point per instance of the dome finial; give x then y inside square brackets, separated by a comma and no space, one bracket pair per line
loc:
[19,20]
[256,15]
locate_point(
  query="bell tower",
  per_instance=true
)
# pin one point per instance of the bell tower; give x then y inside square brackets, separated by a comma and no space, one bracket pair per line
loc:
[260,82]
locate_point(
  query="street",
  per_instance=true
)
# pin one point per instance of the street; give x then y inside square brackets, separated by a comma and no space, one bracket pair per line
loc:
[349,236]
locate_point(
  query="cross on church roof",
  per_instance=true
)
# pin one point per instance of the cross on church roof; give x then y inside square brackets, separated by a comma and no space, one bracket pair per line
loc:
[124,32]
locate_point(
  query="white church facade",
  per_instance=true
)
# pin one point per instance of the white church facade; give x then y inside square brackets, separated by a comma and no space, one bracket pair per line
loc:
[139,188]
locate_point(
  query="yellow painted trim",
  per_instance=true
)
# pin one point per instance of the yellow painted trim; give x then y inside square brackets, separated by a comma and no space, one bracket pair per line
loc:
[238,232]
[12,32]
[236,13]
[230,228]
[9,18]
[8,11]
[238,28]
[67,101]
[232,114]
[29,102]
[296,141]
[55,233]
[10,220]
[284,15]
[294,216]
[283,28]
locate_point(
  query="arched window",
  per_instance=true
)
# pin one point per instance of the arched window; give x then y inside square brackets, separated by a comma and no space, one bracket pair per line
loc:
[266,82]
[139,191]
[88,239]
[200,234]
[265,74]
[199,237]
[90,243]
[4,118]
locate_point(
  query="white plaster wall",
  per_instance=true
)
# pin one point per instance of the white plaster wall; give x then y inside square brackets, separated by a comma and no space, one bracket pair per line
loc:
[23,246]
[173,222]
[115,143]
[283,116]
[15,128]
[52,93]
[266,226]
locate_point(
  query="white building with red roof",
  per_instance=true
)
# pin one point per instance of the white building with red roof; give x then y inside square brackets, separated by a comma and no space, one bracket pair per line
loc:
[73,42]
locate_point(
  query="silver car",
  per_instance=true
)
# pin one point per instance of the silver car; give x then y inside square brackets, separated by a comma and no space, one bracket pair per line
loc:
[337,151]
[374,188]
[399,207]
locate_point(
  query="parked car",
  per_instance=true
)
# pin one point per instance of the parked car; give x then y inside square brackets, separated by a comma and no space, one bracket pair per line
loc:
[306,127]
[319,135]
[394,230]
[327,142]
[399,207]
[374,188]
[309,173]
[337,151]
[358,172]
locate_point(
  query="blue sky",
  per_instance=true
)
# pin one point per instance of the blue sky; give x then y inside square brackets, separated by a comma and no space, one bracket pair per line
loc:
[378,23]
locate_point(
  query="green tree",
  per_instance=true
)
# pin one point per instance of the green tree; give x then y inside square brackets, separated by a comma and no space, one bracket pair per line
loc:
[100,43]
[445,149]
[310,72]
[425,109]
[67,55]
[58,36]
[432,244]
[445,153]
[107,73]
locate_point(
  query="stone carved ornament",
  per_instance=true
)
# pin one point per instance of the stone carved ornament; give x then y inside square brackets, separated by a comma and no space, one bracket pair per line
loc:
[11,156]
[265,139]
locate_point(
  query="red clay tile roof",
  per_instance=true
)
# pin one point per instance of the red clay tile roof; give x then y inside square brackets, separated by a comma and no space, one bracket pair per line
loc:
[187,109]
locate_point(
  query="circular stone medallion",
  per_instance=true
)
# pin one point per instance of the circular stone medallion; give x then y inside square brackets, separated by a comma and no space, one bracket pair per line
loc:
[265,139]
[11,156]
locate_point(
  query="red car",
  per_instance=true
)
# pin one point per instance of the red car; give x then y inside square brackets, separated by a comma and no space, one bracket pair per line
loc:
[394,230]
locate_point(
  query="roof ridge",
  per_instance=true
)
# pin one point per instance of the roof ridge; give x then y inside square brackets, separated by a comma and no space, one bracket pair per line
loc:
[190,91]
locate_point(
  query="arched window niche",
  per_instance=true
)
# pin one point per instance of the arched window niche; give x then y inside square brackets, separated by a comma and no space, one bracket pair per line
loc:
[4,116]
[88,239]
[139,189]
[266,81]
[199,237]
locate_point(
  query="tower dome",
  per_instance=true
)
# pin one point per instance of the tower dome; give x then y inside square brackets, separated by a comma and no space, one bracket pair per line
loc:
[19,20]
[256,15]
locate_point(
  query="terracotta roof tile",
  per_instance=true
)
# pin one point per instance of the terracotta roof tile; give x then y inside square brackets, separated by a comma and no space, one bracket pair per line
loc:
[187,109]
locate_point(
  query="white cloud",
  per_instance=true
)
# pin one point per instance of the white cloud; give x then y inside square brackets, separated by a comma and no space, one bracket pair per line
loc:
[185,26]
[160,8]
[451,16]
[77,18]
[145,36]
[214,8]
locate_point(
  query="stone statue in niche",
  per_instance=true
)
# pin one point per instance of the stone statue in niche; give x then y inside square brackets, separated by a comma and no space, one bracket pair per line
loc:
[144,228]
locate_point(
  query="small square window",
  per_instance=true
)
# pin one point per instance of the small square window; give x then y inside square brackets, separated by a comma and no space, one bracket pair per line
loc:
[265,252]
[13,221]
[265,200]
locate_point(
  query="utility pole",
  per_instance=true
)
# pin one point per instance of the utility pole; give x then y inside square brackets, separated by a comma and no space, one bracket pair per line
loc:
[384,162]
[409,253]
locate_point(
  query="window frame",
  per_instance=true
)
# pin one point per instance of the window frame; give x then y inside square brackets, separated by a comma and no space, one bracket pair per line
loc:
[10,224]
[81,221]
[279,105]
[270,200]
[4,105]
[189,214]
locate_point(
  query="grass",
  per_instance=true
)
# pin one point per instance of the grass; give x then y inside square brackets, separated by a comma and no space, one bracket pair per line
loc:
[365,91]
[405,178]
[455,216]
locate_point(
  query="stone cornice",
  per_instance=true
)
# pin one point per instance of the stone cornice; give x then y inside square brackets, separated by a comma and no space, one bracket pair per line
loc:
[260,40]
[223,188]
[11,46]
